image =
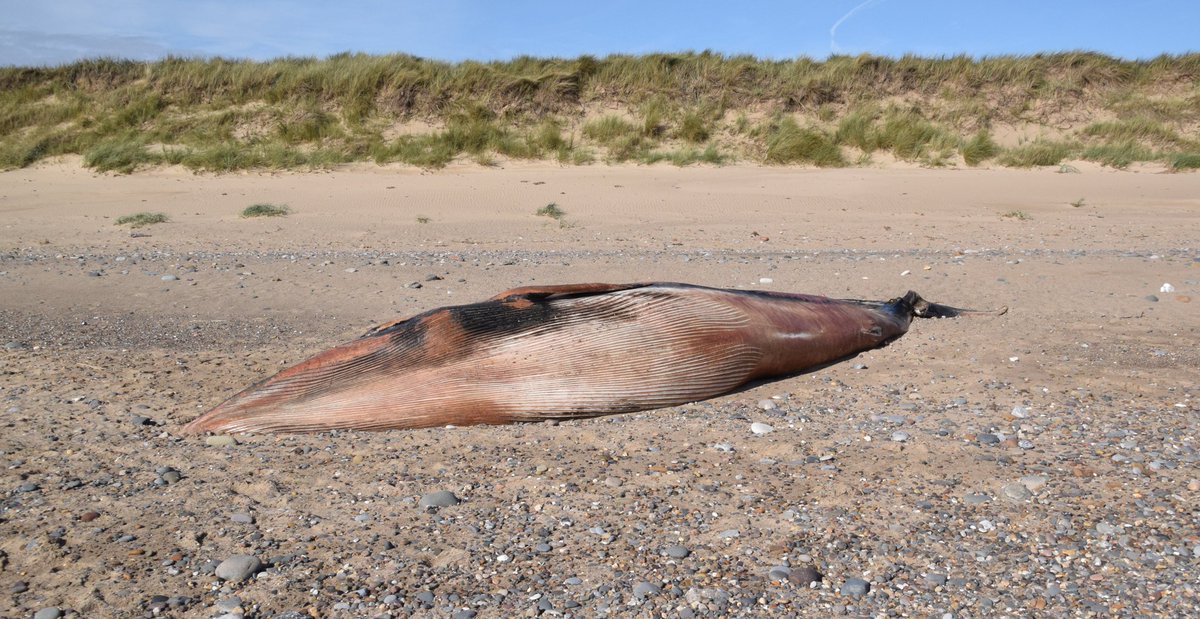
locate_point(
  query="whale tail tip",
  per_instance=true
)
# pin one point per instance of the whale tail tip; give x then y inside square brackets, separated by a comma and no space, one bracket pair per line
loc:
[919,307]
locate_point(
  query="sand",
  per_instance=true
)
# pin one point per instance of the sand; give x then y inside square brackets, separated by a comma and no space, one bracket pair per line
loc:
[906,467]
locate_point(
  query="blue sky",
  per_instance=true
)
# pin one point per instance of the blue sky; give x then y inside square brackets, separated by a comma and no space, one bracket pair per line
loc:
[57,31]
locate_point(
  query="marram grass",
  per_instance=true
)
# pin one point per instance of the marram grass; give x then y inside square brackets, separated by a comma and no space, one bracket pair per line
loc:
[216,115]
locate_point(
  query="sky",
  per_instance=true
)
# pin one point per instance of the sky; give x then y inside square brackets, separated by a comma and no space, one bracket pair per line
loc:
[51,32]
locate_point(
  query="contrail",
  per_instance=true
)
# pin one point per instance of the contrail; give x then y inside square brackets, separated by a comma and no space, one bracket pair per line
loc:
[833,46]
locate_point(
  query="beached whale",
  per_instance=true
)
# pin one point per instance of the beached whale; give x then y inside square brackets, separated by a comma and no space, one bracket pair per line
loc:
[560,352]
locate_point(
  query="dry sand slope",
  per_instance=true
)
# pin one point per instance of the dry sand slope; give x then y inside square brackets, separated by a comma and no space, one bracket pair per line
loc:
[1043,462]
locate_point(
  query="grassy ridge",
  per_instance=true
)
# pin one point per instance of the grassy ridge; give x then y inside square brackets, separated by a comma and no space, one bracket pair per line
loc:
[217,115]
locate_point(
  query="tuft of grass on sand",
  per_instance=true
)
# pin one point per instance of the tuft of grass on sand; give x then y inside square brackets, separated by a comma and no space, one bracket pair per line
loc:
[787,142]
[552,211]
[1078,203]
[1185,161]
[1119,154]
[1018,215]
[265,210]
[123,155]
[421,219]
[140,220]
[1040,152]
[979,148]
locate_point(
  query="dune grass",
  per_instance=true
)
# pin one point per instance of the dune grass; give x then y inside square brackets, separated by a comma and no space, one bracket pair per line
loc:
[787,142]
[264,209]
[141,220]
[215,115]
[552,211]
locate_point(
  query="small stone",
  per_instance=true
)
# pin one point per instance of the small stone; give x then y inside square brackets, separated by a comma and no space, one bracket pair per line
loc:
[1020,412]
[936,580]
[723,447]
[352,270]
[19,587]
[465,613]
[761,428]
[1034,482]
[1151,298]
[363,518]
[1016,492]
[140,420]
[242,518]
[48,613]
[675,551]
[438,499]
[425,597]
[220,440]
[729,534]
[767,405]
[574,580]
[415,285]
[169,278]
[1103,528]
[543,547]
[229,604]
[779,572]
[238,568]
[976,499]
[172,476]
[855,587]
[644,589]
[28,487]
[805,576]
[988,439]
[433,277]
[1167,288]
[15,346]
[899,436]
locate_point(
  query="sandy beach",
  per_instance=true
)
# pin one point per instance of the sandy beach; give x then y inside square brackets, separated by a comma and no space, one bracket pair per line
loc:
[1040,463]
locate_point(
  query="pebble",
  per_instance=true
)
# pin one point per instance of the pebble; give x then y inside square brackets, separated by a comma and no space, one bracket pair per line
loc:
[644,589]
[543,547]
[229,604]
[14,346]
[220,440]
[976,499]
[1034,482]
[988,439]
[1020,412]
[855,586]
[675,551]
[805,576]
[761,428]
[899,436]
[140,420]
[724,447]
[1151,298]
[574,580]
[1167,288]
[238,567]
[1016,492]
[441,498]
[28,487]
[729,534]
[465,613]
[936,580]
[48,613]
[1103,528]
[19,587]
[242,518]
[779,572]
[169,278]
